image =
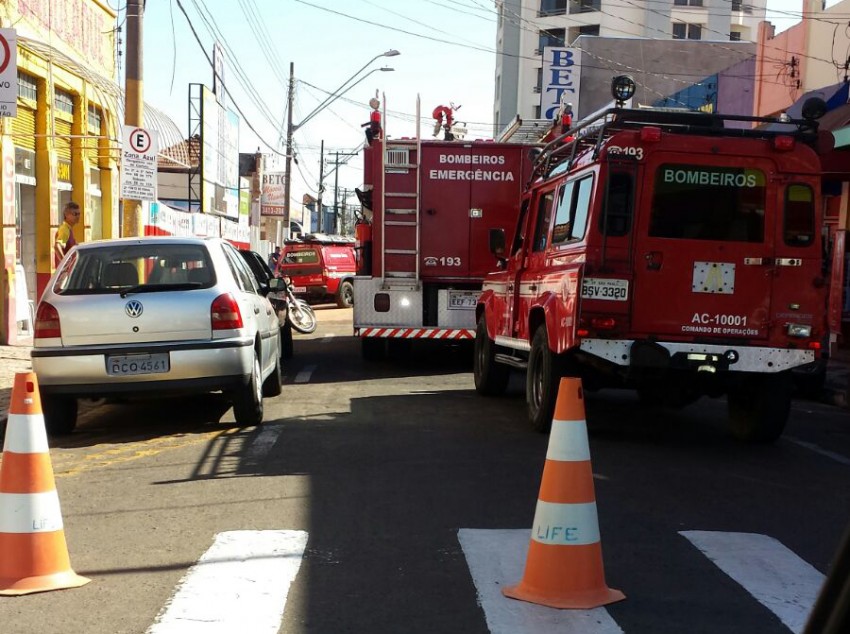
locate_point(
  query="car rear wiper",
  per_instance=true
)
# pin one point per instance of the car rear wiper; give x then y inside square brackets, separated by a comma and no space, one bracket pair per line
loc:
[150,288]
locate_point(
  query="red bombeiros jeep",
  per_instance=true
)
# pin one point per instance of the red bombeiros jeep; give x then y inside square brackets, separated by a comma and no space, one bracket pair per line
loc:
[321,268]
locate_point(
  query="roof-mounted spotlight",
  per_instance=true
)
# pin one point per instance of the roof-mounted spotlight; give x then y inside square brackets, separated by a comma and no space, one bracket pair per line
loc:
[622,89]
[814,108]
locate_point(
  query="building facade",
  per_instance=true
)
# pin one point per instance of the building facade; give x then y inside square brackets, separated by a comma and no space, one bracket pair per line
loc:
[62,145]
[527,27]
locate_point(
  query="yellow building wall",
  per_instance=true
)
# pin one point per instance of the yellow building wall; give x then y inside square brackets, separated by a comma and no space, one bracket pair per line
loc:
[83,33]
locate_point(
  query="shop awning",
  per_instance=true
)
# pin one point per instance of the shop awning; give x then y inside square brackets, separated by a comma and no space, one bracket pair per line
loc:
[111,95]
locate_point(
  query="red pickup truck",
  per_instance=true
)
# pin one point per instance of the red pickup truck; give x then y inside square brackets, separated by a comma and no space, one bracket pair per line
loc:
[321,267]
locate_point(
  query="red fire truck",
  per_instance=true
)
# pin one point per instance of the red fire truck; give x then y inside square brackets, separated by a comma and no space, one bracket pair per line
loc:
[667,252]
[422,244]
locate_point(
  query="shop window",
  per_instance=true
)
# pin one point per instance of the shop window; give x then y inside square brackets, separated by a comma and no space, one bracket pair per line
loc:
[94,118]
[735,36]
[63,101]
[27,86]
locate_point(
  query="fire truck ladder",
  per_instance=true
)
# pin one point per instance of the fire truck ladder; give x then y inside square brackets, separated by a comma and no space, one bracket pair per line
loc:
[401,208]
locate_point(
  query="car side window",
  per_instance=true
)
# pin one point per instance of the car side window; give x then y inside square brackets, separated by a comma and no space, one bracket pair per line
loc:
[246,280]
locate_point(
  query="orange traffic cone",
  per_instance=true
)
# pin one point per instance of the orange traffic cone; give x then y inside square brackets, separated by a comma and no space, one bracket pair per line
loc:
[564,564]
[33,552]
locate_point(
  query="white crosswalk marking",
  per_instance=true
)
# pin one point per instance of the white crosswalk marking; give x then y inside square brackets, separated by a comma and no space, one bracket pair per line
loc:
[496,558]
[239,585]
[775,576]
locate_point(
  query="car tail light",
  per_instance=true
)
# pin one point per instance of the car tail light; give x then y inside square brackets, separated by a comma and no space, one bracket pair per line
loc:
[47,322]
[225,313]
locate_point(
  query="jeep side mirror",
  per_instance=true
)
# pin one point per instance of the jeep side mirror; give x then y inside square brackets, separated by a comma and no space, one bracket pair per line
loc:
[497,246]
[497,242]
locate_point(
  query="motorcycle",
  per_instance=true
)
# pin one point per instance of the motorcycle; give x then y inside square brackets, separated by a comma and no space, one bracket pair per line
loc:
[299,313]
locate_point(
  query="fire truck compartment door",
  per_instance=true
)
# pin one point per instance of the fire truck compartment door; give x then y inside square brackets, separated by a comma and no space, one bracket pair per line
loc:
[466,190]
[704,249]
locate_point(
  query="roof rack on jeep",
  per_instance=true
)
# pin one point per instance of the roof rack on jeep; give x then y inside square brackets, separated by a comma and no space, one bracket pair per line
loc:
[320,238]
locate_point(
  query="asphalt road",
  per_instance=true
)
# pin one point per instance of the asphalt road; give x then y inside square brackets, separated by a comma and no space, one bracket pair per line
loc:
[402,502]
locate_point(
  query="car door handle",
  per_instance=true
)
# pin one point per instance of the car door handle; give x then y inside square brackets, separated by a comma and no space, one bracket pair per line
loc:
[256,310]
[533,288]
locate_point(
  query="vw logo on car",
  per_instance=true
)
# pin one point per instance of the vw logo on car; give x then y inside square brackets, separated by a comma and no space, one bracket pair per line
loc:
[134,308]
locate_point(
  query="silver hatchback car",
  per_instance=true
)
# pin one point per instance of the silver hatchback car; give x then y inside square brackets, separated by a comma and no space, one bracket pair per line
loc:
[158,316]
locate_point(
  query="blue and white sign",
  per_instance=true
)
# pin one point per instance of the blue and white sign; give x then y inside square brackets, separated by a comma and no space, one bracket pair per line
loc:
[561,80]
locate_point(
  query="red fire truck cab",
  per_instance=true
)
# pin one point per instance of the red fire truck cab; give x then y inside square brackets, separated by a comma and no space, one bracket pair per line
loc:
[428,208]
[665,252]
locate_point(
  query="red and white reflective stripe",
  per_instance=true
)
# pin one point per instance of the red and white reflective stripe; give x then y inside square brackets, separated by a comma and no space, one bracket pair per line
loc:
[417,333]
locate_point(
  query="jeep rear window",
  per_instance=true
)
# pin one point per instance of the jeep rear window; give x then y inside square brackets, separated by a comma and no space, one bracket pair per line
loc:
[799,221]
[706,202]
[113,268]
[305,256]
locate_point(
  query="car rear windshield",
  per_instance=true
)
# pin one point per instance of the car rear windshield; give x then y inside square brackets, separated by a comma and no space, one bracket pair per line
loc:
[302,256]
[702,202]
[115,268]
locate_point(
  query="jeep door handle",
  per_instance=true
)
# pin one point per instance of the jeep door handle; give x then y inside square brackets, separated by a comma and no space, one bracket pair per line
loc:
[533,288]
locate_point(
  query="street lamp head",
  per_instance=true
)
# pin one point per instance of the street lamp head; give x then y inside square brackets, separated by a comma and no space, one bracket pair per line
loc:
[391,53]
[385,69]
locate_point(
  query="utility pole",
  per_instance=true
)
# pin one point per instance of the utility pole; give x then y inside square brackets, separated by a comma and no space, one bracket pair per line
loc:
[133,103]
[336,192]
[287,186]
[321,184]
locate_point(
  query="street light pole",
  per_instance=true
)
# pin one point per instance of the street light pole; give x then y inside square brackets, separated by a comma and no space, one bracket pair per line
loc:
[291,128]
[287,185]
[319,222]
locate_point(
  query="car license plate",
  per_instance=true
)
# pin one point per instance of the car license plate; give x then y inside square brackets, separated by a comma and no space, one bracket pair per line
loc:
[604,288]
[463,300]
[299,289]
[129,364]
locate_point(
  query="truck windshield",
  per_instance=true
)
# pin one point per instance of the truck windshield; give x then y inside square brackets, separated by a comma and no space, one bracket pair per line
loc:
[700,202]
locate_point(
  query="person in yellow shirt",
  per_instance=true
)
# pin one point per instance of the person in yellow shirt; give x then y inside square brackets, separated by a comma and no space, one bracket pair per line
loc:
[65,234]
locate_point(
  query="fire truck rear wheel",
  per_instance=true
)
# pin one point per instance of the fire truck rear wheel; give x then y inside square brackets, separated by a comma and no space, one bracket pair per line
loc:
[345,295]
[542,380]
[759,407]
[491,378]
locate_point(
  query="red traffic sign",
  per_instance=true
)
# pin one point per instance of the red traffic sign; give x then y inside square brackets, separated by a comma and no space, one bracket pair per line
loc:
[140,140]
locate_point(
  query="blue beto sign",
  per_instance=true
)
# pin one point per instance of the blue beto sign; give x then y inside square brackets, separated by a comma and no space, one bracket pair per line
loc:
[561,80]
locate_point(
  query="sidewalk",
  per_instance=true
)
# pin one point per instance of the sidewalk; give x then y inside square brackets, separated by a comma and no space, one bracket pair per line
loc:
[13,359]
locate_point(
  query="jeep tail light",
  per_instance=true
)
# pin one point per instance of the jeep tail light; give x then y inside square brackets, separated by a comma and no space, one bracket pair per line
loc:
[650,134]
[225,313]
[814,345]
[783,143]
[603,323]
[582,332]
[46,322]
